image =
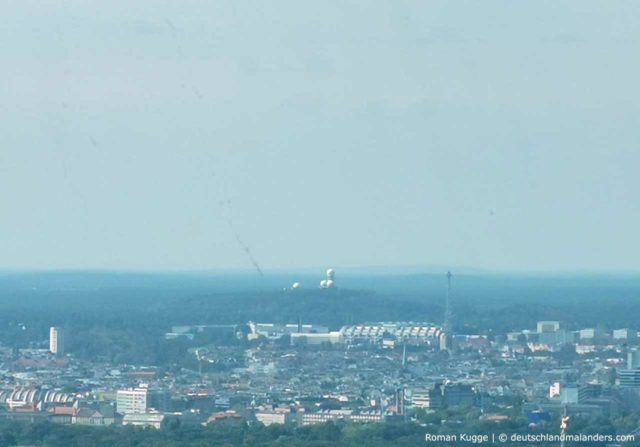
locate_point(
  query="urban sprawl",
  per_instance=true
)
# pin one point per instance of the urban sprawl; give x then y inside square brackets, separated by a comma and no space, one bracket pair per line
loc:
[308,374]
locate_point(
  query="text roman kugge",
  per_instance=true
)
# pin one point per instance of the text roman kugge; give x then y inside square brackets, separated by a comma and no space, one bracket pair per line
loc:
[461,437]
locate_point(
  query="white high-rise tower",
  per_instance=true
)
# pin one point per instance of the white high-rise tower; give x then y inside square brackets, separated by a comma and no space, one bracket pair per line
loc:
[56,340]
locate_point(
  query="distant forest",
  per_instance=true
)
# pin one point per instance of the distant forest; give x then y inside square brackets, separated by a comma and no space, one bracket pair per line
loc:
[123,317]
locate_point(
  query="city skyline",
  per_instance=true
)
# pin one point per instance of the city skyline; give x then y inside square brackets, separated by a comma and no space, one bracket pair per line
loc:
[348,223]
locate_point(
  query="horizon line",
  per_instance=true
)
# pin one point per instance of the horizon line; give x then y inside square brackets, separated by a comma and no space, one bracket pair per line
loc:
[383,270]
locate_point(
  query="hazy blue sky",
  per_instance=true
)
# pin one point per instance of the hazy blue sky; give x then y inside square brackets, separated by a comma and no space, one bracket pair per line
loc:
[492,134]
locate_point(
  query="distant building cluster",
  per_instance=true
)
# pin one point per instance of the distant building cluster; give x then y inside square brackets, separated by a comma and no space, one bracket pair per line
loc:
[303,373]
[550,333]
[374,333]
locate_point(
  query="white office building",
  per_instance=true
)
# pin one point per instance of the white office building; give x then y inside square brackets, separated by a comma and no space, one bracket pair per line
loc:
[625,335]
[132,400]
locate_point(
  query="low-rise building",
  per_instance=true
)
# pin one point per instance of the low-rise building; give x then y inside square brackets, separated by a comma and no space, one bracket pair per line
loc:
[316,339]
[347,415]
[282,416]
[548,326]
[144,419]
